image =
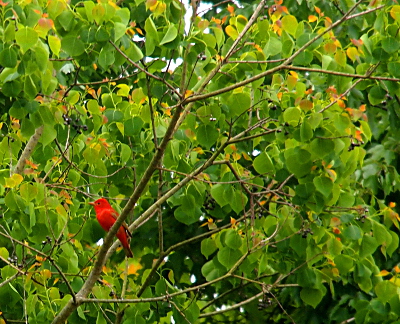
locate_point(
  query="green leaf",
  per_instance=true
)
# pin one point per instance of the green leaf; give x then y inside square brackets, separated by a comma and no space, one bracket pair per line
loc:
[8,57]
[228,257]
[30,88]
[12,88]
[368,246]
[233,239]
[381,233]
[217,192]
[322,147]
[119,31]
[134,52]
[208,247]
[392,247]
[385,290]
[26,38]
[376,95]
[273,47]
[171,34]
[102,34]
[324,185]
[106,57]
[307,278]
[238,103]
[344,263]
[238,201]
[311,296]
[304,58]
[133,126]
[298,162]
[292,116]
[289,24]
[4,253]
[126,153]
[207,135]
[66,20]
[72,45]
[213,269]
[98,13]
[306,132]
[48,135]
[390,44]
[263,164]
[352,232]
[394,69]
[100,319]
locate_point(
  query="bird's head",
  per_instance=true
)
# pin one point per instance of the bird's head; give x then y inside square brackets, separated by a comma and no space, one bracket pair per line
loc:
[100,204]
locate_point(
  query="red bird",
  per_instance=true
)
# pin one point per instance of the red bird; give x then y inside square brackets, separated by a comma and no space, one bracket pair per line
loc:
[106,215]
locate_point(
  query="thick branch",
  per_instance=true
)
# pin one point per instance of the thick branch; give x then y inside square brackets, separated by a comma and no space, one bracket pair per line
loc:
[101,258]
[30,146]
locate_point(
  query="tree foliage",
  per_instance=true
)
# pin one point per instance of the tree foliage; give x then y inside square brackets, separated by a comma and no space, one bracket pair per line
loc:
[252,150]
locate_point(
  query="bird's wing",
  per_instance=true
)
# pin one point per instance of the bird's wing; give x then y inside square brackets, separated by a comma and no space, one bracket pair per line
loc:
[124,225]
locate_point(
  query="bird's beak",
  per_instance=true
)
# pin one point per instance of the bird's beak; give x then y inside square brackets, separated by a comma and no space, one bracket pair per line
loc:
[91,203]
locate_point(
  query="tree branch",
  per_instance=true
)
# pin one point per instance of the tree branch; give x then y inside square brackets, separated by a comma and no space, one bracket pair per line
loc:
[26,153]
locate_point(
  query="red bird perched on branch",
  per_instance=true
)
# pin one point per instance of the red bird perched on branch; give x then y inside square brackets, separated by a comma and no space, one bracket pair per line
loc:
[106,215]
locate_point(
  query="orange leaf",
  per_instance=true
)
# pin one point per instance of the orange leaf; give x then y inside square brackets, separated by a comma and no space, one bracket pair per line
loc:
[358,136]
[231,10]
[306,105]
[188,93]
[383,273]
[328,22]
[133,268]
[357,42]
[335,221]
[330,48]
[312,18]
[317,10]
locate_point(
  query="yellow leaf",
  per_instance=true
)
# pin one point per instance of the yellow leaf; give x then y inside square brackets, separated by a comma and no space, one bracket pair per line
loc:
[395,13]
[294,74]
[188,93]
[332,174]
[46,273]
[291,82]
[13,181]
[246,157]
[340,58]
[123,90]
[231,31]
[289,24]
[395,280]
[352,53]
